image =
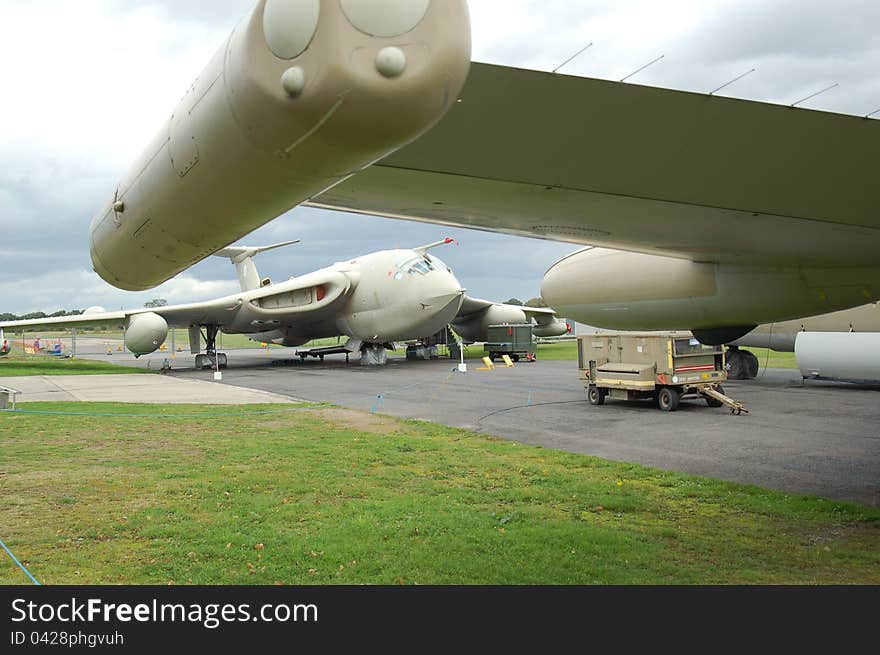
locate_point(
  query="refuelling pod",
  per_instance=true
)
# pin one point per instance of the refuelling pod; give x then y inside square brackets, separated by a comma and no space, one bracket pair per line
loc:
[551,329]
[145,333]
[721,302]
[303,94]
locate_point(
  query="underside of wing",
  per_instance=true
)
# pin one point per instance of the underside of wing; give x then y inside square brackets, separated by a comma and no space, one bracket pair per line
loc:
[636,168]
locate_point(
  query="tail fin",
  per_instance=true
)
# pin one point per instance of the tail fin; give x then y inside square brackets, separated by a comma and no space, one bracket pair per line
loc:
[243,258]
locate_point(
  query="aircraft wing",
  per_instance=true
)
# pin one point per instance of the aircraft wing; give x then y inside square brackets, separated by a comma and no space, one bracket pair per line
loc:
[637,168]
[475,305]
[180,316]
[109,320]
[224,311]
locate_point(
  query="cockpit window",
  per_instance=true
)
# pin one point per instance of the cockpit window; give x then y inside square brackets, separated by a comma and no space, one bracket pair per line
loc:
[416,265]
[438,263]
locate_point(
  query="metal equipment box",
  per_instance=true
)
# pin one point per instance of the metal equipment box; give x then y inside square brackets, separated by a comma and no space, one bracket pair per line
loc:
[516,341]
[662,366]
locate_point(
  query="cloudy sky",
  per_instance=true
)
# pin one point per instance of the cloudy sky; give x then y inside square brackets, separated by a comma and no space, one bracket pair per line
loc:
[86,83]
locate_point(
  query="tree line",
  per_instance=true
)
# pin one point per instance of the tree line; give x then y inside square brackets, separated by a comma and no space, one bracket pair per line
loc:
[39,315]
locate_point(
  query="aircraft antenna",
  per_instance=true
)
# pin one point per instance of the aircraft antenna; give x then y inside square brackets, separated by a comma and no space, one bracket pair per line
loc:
[872,113]
[735,79]
[818,93]
[573,57]
[649,64]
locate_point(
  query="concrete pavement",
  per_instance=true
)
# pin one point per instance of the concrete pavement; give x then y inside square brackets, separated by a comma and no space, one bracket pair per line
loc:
[146,389]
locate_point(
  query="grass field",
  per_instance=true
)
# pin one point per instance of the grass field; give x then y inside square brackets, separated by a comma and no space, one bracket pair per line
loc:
[320,496]
[15,366]
[770,359]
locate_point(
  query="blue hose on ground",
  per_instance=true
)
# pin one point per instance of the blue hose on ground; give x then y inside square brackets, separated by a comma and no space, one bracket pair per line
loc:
[20,565]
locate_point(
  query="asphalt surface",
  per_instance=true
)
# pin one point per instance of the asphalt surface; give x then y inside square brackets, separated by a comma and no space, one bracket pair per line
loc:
[817,438]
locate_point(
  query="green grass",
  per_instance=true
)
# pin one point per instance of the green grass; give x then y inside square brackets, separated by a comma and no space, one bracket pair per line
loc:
[564,351]
[776,360]
[15,366]
[332,496]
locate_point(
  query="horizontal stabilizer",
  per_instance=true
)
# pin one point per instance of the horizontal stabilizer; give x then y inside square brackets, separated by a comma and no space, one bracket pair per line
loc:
[243,258]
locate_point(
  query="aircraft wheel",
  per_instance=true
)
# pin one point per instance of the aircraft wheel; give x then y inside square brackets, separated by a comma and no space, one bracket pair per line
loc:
[668,399]
[752,364]
[223,361]
[596,396]
[741,365]
[735,367]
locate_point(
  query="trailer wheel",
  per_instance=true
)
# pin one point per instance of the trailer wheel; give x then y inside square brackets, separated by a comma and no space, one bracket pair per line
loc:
[668,399]
[516,358]
[713,402]
[596,396]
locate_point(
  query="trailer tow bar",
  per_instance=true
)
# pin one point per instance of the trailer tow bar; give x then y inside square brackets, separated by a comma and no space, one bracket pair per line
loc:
[736,407]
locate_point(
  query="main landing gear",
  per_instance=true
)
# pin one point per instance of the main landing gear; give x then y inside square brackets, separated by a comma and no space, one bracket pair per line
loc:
[374,354]
[211,359]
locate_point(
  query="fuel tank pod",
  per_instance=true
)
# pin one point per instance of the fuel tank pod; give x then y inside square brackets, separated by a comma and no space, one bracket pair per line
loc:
[302,95]
[633,291]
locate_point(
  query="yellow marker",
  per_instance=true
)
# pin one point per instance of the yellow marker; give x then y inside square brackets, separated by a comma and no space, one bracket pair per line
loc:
[508,363]
[489,365]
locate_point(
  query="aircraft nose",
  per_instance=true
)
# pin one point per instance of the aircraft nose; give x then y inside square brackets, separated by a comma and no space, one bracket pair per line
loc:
[442,288]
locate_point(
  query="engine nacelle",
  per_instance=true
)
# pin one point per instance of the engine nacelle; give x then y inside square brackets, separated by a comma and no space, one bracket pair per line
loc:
[145,333]
[839,355]
[475,327]
[631,291]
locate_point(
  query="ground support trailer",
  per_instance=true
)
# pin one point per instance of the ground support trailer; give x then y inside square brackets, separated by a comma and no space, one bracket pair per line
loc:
[515,341]
[663,367]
